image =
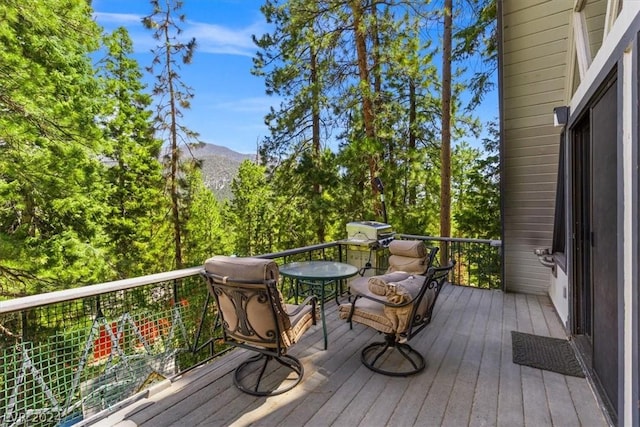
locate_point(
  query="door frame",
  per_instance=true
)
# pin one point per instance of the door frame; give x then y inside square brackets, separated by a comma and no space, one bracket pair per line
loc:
[620,49]
[582,322]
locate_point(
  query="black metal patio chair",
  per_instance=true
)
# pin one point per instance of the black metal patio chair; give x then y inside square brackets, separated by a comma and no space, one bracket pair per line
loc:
[399,306]
[255,317]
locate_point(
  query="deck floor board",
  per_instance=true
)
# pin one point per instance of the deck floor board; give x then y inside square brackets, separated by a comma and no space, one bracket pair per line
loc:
[470,378]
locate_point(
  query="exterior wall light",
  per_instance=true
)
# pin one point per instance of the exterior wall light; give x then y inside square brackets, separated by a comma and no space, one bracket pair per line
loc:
[560,116]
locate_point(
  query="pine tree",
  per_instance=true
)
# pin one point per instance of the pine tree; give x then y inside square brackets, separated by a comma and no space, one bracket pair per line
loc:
[333,58]
[378,86]
[294,59]
[174,96]
[136,227]
[478,216]
[252,212]
[52,191]
[207,231]
[464,31]
[445,150]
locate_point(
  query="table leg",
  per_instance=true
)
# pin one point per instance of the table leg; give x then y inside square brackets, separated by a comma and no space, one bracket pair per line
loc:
[293,290]
[338,290]
[324,323]
[312,289]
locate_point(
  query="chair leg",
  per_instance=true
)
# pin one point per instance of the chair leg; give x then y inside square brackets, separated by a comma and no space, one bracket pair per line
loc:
[244,374]
[372,353]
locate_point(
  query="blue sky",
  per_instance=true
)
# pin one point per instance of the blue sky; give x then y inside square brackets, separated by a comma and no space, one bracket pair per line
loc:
[230,103]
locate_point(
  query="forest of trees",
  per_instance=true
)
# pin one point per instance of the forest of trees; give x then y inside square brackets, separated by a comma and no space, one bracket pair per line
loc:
[96,179]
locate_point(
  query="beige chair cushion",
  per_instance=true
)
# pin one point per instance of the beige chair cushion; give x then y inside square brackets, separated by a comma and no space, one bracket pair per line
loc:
[407,264]
[378,284]
[388,319]
[260,313]
[246,268]
[299,323]
[409,256]
[408,248]
[368,313]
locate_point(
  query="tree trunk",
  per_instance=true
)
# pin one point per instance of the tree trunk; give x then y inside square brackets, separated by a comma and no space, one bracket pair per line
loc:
[411,196]
[315,136]
[175,159]
[367,102]
[375,35]
[445,153]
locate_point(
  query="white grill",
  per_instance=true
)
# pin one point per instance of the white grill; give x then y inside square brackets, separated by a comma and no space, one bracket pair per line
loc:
[368,230]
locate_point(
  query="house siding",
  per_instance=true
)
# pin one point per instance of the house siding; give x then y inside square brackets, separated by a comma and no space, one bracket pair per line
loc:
[595,12]
[534,68]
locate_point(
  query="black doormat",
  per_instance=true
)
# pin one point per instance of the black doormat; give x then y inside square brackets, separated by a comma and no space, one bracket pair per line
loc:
[551,354]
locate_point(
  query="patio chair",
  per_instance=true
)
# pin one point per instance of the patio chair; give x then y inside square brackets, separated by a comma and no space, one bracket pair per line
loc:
[406,258]
[399,308]
[254,316]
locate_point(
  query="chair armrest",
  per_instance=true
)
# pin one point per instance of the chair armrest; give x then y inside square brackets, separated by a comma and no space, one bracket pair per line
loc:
[384,301]
[375,298]
[310,299]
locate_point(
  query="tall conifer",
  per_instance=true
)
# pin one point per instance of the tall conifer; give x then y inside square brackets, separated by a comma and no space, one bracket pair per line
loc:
[52,191]
[136,227]
[173,96]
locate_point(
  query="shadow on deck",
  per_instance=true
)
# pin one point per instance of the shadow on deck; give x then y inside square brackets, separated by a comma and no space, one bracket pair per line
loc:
[469,379]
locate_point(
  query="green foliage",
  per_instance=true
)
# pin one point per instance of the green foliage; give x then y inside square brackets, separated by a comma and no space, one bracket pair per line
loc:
[206,232]
[52,193]
[277,210]
[306,188]
[86,195]
[477,205]
[138,205]
[477,37]
[174,96]
[252,212]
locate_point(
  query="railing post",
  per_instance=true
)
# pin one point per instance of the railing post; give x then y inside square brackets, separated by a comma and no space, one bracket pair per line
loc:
[24,328]
[98,308]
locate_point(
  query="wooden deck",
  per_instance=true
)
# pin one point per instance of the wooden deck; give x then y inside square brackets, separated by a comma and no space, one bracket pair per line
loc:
[470,379]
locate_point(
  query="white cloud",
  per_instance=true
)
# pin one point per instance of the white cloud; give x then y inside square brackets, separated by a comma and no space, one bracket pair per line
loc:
[211,38]
[117,19]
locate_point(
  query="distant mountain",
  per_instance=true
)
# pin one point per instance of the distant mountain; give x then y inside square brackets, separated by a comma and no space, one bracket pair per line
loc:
[218,150]
[219,167]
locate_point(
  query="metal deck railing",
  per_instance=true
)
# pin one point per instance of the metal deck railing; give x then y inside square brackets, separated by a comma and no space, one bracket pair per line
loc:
[70,355]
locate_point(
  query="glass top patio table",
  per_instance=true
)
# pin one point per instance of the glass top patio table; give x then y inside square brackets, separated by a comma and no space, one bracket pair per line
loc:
[318,270]
[319,274]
